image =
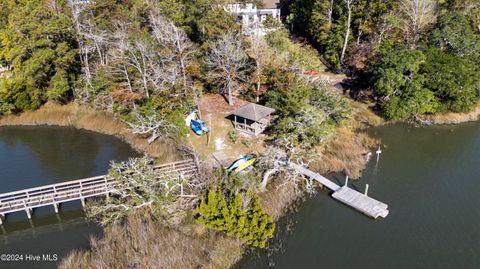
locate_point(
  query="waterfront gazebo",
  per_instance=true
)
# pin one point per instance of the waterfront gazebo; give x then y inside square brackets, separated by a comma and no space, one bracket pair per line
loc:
[252,118]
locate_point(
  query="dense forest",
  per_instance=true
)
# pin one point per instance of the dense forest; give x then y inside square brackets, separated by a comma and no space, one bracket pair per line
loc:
[121,56]
[137,57]
[416,56]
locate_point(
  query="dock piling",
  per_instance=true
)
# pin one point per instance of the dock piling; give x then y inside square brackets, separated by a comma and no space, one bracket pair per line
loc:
[2,217]
[378,152]
[55,207]
[29,213]
[366,190]
[346,182]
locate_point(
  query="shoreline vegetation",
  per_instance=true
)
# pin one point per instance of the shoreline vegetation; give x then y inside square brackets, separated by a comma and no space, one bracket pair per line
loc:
[455,118]
[73,115]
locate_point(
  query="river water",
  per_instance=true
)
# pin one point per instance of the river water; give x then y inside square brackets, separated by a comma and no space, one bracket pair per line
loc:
[35,156]
[429,177]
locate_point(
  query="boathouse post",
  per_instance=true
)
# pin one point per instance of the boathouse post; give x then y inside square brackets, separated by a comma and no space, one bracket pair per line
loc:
[366,190]
[346,182]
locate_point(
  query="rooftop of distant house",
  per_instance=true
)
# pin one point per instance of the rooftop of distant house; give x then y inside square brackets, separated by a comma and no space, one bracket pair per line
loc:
[271,3]
[267,4]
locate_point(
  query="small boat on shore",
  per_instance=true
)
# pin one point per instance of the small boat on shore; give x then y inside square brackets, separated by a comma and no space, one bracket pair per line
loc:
[242,163]
[199,127]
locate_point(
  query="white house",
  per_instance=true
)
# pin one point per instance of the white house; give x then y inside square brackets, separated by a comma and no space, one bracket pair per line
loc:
[252,17]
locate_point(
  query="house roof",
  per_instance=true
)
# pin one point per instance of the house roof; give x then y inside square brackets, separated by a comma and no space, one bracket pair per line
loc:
[271,3]
[253,111]
[266,4]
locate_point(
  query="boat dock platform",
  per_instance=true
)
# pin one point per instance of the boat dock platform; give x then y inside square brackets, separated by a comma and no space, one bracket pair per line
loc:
[357,200]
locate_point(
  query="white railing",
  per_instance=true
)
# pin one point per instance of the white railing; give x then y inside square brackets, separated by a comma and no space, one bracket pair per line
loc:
[77,189]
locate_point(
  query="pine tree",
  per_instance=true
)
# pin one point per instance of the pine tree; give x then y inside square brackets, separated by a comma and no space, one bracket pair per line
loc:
[249,223]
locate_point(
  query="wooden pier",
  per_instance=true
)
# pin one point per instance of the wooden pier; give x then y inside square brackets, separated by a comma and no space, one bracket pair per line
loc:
[28,199]
[357,200]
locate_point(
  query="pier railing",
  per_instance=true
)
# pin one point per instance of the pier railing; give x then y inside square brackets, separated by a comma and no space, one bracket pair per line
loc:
[55,194]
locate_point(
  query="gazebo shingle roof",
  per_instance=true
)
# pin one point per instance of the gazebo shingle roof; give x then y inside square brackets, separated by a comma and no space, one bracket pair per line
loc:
[253,111]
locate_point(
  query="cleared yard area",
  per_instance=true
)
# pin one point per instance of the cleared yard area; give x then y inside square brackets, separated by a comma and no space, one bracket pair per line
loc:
[215,110]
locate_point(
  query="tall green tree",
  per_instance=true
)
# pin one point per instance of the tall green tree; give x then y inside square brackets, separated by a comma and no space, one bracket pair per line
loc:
[470,8]
[333,24]
[455,33]
[39,43]
[454,80]
[397,80]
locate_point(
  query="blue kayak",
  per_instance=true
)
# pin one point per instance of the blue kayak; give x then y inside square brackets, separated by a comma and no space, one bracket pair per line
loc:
[199,127]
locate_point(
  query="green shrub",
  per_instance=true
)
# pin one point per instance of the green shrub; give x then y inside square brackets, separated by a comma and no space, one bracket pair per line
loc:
[300,56]
[249,223]
[233,135]
[246,143]
[176,118]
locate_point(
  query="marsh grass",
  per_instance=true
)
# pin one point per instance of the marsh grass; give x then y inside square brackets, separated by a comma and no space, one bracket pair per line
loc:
[364,115]
[145,242]
[279,198]
[455,118]
[93,120]
[346,153]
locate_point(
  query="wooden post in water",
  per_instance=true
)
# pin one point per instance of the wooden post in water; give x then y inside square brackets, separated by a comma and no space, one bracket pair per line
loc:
[379,150]
[27,210]
[55,207]
[346,182]
[29,213]
[366,190]
[2,217]
[82,200]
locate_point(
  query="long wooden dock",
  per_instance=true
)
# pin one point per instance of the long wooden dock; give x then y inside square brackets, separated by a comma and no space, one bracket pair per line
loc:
[54,194]
[357,200]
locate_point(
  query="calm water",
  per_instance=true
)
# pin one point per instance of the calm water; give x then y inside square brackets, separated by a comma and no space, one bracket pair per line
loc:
[34,156]
[430,177]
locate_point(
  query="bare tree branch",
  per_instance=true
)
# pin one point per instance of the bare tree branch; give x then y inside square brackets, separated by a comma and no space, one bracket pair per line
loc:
[151,125]
[416,15]
[227,61]
[139,185]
